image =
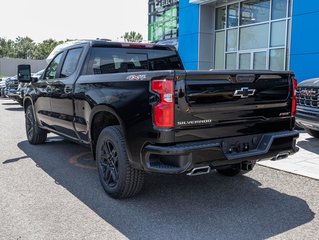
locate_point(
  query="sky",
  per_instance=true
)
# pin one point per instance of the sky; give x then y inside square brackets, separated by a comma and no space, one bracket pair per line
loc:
[72,19]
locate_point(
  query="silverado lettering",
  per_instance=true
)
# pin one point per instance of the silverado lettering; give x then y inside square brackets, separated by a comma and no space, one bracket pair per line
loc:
[195,122]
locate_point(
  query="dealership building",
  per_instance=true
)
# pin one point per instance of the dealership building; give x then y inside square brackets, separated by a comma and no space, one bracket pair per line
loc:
[249,34]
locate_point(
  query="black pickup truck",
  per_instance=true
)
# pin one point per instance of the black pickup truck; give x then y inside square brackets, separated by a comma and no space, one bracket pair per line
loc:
[140,111]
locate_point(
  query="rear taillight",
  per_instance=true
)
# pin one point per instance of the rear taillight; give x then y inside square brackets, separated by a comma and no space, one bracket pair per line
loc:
[294,98]
[163,111]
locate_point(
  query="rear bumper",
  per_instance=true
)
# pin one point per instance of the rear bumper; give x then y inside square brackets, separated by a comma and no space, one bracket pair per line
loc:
[308,117]
[183,157]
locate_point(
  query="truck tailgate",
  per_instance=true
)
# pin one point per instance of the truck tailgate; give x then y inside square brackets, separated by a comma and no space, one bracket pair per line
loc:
[224,104]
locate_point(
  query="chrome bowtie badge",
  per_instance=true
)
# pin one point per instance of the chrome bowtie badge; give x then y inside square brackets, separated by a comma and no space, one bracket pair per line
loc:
[244,92]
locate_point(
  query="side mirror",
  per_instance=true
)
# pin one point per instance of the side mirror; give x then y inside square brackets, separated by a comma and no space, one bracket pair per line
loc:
[24,73]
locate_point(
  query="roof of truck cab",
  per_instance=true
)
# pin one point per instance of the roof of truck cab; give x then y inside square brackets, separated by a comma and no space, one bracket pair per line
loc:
[108,43]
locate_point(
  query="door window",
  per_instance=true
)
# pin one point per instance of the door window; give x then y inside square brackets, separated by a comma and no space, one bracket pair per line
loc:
[52,69]
[71,62]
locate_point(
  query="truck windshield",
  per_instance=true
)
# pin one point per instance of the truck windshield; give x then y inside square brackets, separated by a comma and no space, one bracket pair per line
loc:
[104,60]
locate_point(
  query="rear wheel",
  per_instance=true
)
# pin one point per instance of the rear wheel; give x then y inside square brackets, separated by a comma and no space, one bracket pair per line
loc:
[313,133]
[229,171]
[35,135]
[118,178]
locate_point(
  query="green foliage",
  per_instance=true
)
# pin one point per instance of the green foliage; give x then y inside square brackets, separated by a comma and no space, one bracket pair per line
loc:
[132,37]
[25,47]
[42,50]
[6,48]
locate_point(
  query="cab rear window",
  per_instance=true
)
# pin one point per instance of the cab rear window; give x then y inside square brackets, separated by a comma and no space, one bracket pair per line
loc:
[104,60]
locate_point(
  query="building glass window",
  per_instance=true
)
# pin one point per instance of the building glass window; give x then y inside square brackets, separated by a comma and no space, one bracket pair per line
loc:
[254,11]
[254,37]
[253,34]
[232,40]
[260,60]
[278,34]
[232,15]
[279,9]
[220,18]
[231,60]
[277,57]
[163,20]
[219,50]
[244,61]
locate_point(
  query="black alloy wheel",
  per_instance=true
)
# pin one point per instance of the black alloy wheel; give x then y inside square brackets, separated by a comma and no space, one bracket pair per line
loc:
[35,135]
[29,124]
[109,164]
[118,178]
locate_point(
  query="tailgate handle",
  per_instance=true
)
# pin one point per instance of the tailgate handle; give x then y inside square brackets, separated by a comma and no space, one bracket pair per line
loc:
[245,78]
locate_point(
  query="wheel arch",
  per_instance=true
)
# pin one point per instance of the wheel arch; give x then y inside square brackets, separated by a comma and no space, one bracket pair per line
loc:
[26,102]
[101,117]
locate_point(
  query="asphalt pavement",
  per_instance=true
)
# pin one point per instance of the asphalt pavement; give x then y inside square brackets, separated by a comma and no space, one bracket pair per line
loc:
[52,191]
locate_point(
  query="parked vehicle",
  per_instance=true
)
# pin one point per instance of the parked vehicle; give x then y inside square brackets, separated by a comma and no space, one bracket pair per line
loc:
[140,111]
[307,106]
[11,89]
[38,74]
[2,87]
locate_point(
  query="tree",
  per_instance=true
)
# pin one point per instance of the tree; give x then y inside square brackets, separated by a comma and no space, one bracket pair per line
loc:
[42,50]
[133,37]
[24,47]
[6,48]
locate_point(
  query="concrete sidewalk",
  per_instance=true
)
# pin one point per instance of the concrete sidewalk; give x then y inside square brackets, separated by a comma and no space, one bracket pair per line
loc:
[305,162]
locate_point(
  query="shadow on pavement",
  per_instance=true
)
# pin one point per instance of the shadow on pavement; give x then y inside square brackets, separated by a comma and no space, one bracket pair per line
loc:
[11,103]
[18,109]
[310,144]
[175,207]
[12,160]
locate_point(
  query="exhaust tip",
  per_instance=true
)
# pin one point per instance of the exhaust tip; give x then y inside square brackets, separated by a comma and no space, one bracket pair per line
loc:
[247,166]
[280,156]
[200,171]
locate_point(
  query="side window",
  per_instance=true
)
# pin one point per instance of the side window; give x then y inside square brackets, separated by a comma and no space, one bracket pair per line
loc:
[52,69]
[71,62]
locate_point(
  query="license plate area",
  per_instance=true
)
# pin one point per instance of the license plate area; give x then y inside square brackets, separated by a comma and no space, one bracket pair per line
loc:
[240,144]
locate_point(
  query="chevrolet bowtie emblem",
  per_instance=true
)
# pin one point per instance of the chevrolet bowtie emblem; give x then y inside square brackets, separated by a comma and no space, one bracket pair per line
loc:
[244,92]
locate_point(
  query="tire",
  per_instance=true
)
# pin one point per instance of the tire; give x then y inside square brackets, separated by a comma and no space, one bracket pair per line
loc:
[35,135]
[118,178]
[230,171]
[313,133]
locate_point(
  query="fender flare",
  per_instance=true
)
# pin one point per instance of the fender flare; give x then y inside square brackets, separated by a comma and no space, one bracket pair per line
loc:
[103,108]
[107,109]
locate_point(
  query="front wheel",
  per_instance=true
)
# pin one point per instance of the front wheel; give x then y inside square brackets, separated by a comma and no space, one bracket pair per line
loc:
[118,178]
[35,135]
